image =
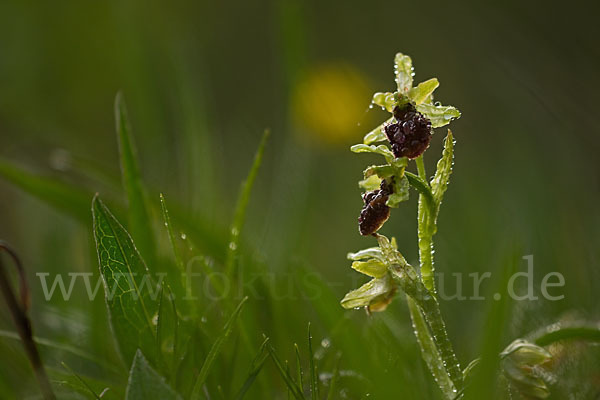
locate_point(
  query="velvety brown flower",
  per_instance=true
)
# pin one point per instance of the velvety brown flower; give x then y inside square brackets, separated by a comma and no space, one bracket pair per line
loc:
[410,134]
[375,211]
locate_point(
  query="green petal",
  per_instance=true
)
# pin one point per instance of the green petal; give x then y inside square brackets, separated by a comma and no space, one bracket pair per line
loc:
[373,182]
[381,149]
[386,101]
[377,134]
[372,268]
[400,194]
[371,292]
[423,90]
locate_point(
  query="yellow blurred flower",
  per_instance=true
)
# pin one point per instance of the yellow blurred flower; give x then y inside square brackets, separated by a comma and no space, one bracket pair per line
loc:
[329,102]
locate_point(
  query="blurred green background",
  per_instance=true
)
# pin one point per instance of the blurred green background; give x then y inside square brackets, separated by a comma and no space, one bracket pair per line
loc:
[202,80]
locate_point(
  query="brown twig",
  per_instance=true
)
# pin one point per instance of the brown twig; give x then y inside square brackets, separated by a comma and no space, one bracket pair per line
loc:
[18,310]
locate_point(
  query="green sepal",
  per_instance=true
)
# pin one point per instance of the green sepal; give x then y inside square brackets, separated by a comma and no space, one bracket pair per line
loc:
[371,252]
[403,69]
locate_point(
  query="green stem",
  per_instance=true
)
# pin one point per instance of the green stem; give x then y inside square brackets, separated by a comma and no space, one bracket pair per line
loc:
[436,347]
[431,310]
[425,218]
[429,350]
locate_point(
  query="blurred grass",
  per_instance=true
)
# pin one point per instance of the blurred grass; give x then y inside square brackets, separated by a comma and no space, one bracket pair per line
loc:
[203,79]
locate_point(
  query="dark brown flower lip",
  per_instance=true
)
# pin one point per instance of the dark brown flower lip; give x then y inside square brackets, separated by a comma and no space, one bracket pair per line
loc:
[410,134]
[375,211]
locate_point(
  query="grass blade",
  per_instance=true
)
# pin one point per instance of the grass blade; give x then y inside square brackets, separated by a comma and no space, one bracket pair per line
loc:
[64,348]
[124,273]
[257,363]
[484,377]
[140,225]
[314,382]
[66,198]
[334,379]
[287,378]
[240,208]
[172,238]
[84,383]
[215,350]
[299,367]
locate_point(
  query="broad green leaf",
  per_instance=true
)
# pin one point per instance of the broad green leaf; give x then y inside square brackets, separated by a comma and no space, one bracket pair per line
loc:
[423,90]
[403,69]
[386,101]
[377,134]
[66,198]
[314,380]
[140,225]
[371,292]
[381,149]
[146,384]
[440,180]
[371,252]
[373,182]
[241,206]
[401,192]
[438,115]
[257,363]
[216,349]
[292,386]
[131,294]
[373,268]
